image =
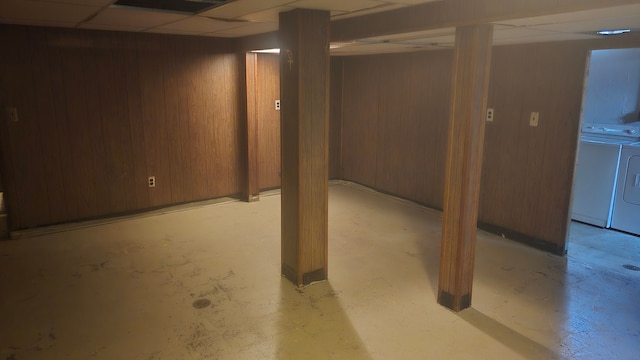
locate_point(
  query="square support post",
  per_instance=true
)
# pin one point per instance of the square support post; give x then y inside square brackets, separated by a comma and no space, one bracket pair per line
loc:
[470,85]
[304,96]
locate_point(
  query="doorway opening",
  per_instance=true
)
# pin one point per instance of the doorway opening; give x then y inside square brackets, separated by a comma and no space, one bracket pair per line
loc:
[606,193]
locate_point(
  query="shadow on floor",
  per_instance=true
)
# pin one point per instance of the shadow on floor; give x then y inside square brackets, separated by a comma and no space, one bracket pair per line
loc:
[512,339]
[313,325]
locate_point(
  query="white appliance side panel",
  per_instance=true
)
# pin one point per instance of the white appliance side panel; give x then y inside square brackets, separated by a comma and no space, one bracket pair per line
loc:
[626,213]
[631,193]
[594,188]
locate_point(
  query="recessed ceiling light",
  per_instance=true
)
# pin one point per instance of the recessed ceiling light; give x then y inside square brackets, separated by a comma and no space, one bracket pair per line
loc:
[613,32]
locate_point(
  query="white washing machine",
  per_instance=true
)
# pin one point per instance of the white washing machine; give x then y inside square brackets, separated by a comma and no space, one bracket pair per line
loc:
[626,208]
[597,169]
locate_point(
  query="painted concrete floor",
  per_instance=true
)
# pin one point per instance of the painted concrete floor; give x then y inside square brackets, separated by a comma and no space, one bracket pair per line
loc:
[204,283]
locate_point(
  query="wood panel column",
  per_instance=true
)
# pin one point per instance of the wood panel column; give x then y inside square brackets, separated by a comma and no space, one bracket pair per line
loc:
[304,96]
[470,83]
[251,188]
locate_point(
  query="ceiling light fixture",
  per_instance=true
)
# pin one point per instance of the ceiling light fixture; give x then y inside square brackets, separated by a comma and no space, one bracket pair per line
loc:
[613,32]
[267,51]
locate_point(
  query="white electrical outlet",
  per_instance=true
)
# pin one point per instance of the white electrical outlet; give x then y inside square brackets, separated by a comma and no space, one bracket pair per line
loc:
[277,104]
[152,181]
[533,119]
[490,114]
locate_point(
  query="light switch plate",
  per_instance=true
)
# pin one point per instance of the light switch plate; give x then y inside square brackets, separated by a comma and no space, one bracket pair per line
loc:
[277,104]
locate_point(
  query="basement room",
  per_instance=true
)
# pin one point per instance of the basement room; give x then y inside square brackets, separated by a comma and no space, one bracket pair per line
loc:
[319,179]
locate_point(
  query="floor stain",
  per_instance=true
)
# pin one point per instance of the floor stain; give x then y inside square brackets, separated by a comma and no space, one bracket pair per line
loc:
[201,303]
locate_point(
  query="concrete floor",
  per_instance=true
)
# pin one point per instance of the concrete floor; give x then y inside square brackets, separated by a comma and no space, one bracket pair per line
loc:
[204,283]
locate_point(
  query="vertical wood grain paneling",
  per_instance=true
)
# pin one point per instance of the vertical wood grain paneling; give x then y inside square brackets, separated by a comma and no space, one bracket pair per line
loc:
[304,74]
[45,71]
[197,121]
[431,111]
[529,187]
[78,129]
[129,61]
[465,140]
[268,121]
[26,186]
[251,189]
[174,112]
[527,172]
[360,118]
[335,119]
[399,137]
[151,56]
[402,152]
[101,111]
[118,143]
[233,94]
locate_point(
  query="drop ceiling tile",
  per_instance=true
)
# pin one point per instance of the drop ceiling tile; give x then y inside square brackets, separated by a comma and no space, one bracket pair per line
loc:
[45,11]
[246,29]
[577,16]
[411,2]
[591,26]
[198,25]
[269,15]
[418,35]
[528,35]
[134,18]
[385,7]
[339,5]
[373,48]
[239,8]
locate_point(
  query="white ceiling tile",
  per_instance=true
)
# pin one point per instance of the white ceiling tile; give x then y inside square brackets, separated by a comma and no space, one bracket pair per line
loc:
[134,18]
[239,8]
[198,25]
[578,16]
[46,11]
[340,5]
[411,2]
[417,35]
[269,15]
[385,7]
[591,26]
[528,35]
[374,48]
[246,29]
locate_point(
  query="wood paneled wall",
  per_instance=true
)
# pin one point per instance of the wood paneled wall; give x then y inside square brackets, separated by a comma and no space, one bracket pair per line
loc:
[268,78]
[268,85]
[99,112]
[335,118]
[395,112]
[528,171]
